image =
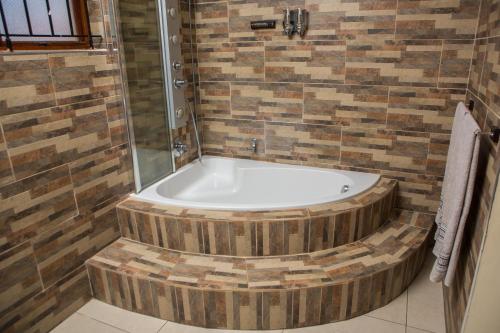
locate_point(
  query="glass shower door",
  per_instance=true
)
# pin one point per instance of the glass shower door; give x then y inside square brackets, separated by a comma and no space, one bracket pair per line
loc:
[145,93]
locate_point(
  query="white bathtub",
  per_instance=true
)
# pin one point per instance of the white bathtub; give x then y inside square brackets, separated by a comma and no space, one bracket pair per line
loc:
[236,184]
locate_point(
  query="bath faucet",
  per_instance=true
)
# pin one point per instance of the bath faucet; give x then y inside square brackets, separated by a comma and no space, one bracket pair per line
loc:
[253,145]
[180,147]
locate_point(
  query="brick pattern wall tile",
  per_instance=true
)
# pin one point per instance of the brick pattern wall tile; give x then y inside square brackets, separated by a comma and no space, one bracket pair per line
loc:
[489,19]
[20,279]
[231,61]
[385,149]
[267,101]
[211,22]
[64,164]
[215,99]
[6,175]
[384,65]
[422,109]
[430,19]
[489,87]
[346,105]
[34,204]
[455,63]
[302,61]
[43,139]
[396,63]
[303,142]
[25,83]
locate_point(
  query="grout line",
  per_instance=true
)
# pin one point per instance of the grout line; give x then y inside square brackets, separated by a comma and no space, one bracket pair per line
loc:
[102,322]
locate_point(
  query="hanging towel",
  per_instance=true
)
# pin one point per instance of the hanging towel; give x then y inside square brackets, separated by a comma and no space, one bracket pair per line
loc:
[456,194]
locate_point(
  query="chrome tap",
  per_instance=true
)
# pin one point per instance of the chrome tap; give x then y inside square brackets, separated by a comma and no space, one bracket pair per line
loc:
[180,147]
[253,145]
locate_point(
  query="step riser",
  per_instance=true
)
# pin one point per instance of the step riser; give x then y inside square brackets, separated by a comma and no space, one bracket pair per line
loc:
[256,309]
[257,237]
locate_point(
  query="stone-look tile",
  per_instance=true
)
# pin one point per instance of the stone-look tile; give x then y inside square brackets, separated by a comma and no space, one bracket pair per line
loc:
[6,174]
[135,296]
[67,246]
[436,19]
[46,138]
[480,110]
[242,12]
[438,152]
[48,308]
[25,83]
[455,63]
[101,178]
[351,19]
[422,109]
[267,101]
[230,136]
[231,61]
[303,142]
[417,192]
[211,22]
[345,105]
[304,61]
[83,76]
[125,320]
[215,99]
[19,277]
[489,19]
[478,57]
[234,293]
[34,204]
[117,123]
[385,149]
[489,88]
[389,62]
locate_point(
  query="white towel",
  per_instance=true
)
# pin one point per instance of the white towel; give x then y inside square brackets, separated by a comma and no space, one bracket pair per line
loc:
[456,195]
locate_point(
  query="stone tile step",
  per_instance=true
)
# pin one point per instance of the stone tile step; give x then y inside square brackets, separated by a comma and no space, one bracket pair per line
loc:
[260,233]
[273,292]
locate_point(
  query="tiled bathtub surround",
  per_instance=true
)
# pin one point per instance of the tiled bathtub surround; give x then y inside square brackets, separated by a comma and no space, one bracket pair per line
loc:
[64,164]
[263,293]
[484,89]
[373,85]
[265,233]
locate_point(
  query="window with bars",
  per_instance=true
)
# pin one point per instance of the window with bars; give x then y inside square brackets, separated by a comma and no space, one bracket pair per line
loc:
[44,24]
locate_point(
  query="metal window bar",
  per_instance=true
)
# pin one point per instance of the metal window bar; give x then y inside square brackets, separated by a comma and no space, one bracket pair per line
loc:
[7,36]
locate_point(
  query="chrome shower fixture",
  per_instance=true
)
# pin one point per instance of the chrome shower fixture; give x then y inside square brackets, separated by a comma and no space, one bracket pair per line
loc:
[295,22]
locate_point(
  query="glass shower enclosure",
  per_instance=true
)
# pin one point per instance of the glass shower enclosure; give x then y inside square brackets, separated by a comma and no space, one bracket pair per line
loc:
[150,38]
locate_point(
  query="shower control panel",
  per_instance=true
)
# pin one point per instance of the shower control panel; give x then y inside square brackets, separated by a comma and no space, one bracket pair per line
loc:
[176,84]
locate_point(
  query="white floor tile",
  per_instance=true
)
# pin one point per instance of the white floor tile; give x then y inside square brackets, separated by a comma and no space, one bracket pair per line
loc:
[178,328]
[78,323]
[126,320]
[415,330]
[395,311]
[425,302]
[357,325]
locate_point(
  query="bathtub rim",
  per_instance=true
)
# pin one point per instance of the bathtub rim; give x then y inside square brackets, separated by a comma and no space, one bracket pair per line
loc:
[149,197]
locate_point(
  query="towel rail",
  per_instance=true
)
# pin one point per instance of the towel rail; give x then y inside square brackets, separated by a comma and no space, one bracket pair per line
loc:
[493,133]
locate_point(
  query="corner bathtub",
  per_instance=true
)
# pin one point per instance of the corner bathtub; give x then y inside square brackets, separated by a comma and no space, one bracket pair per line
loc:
[247,185]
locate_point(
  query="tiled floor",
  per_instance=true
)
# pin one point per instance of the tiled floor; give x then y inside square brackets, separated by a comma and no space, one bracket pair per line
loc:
[418,310]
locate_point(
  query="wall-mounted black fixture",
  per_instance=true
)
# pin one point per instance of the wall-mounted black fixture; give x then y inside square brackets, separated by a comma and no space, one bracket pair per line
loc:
[295,22]
[494,132]
[265,24]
